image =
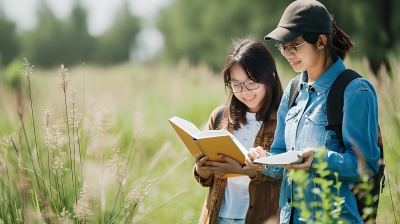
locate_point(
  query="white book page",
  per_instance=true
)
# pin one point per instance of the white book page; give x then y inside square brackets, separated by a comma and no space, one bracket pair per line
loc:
[291,157]
[239,145]
[187,126]
[213,133]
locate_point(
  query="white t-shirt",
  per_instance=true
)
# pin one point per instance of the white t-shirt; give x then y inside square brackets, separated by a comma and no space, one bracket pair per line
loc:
[236,200]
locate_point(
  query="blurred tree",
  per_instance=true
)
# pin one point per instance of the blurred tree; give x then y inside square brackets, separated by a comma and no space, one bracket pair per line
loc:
[9,41]
[372,25]
[202,31]
[115,45]
[54,42]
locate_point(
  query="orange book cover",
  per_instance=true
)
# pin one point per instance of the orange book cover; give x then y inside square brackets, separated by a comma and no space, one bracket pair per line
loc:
[210,142]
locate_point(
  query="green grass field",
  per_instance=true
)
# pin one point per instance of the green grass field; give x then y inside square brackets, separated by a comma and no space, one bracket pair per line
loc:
[115,102]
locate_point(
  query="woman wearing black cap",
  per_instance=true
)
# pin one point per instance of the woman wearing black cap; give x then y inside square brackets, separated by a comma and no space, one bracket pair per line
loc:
[313,45]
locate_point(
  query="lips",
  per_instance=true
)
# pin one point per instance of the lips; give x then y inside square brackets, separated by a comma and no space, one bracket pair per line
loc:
[294,63]
[249,99]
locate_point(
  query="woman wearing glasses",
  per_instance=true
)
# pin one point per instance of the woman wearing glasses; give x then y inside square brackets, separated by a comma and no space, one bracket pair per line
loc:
[250,115]
[313,45]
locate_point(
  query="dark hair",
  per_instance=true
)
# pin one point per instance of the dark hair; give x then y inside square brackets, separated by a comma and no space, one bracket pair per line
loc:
[338,43]
[258,63]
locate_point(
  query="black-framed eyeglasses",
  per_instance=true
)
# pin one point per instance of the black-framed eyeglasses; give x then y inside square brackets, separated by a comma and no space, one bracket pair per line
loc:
[292,48]
[236,87]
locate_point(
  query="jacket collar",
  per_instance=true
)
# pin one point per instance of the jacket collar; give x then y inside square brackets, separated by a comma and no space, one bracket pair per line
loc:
[325,81]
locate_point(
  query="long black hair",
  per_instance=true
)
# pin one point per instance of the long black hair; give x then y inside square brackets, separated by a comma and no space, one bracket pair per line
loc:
[258,63]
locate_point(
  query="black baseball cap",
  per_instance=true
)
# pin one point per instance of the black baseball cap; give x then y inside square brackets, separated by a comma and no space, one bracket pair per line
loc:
[302,16]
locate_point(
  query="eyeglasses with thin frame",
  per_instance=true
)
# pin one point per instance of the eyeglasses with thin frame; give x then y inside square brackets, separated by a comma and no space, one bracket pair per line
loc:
[292,48]
[237,87]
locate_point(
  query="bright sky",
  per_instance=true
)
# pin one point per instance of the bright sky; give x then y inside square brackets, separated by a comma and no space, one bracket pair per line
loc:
[101,16]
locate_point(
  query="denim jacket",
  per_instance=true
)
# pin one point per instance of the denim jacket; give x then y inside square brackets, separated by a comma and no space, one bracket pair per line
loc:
[303,126]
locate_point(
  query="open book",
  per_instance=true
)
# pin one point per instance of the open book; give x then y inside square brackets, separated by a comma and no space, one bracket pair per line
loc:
[287,158]
[210,142]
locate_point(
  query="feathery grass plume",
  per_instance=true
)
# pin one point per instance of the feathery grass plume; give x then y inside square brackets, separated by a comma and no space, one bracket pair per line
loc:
[64,217]
[64,80]
[76,117]
[28,70]
[129,200]
[83,207]
[124,172]
[28,74]
[46,120]
[74,125]
[140,197]
[54,143]
[98,125]
[115,162]
[57,169]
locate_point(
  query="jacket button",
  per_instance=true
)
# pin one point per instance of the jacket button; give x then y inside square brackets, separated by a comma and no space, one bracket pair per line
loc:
[251,207]
[296,120]
[289,200]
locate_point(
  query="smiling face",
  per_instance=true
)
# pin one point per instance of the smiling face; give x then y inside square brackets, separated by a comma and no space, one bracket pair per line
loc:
[253,99]
[308,57]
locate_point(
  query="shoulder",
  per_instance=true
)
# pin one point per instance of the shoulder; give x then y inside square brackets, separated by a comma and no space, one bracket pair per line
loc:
[213,116]
[216,110]
[359,85]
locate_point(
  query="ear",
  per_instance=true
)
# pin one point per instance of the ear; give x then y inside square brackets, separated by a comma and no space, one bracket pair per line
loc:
[274,75]
[322,41]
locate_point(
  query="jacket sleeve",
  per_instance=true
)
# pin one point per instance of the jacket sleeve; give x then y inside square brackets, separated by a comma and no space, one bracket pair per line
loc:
[360,133]
[209,126]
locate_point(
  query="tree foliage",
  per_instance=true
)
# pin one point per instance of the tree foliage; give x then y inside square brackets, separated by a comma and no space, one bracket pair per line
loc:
[202,31]
[68,41]
[9,47]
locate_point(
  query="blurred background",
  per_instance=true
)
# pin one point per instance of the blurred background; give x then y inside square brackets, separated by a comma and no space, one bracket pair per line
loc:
[51,32]
[137,63]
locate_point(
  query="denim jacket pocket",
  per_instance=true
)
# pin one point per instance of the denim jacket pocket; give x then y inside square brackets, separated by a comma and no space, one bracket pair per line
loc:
[292,113]
[314,133]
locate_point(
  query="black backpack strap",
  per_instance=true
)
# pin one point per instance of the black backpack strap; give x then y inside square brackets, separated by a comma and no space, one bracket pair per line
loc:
[335,102]
[219,116]
[294,91]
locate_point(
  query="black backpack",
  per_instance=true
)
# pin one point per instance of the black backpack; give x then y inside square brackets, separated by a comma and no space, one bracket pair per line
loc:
[334,106]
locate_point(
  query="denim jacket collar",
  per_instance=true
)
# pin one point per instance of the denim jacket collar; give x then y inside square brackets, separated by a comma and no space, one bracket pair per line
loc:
[325,81]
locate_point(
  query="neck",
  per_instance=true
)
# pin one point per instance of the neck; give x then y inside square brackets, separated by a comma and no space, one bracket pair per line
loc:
[318,69]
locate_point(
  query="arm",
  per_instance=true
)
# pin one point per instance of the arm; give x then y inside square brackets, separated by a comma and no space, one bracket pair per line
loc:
[360,132]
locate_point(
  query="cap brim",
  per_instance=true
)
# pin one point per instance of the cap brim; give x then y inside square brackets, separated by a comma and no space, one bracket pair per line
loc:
[283,35]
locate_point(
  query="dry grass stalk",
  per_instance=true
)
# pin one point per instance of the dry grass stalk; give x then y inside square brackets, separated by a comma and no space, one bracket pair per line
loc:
[83,208]
[64,80]
[168,199]
[64,217]
[48,212]
[46,120]
[140,197]
[116,163]
[28,70]
[28,74]
[97,126]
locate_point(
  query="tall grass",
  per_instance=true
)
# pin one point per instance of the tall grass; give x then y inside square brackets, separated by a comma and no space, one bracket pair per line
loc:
[117,159]
[105,187]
